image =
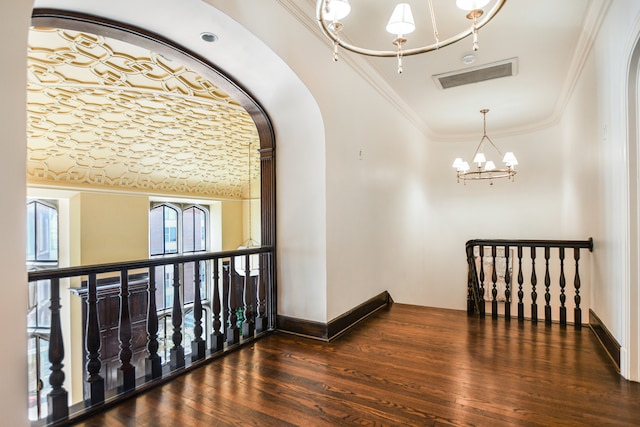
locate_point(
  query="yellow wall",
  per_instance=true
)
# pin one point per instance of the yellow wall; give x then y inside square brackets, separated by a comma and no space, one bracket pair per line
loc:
[232,225]
[113,227]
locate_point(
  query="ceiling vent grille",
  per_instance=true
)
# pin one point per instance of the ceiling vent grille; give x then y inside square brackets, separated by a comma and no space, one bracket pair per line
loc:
[495,70]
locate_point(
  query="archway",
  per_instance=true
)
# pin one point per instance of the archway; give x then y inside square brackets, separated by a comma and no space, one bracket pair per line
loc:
[631,366]
[157,43]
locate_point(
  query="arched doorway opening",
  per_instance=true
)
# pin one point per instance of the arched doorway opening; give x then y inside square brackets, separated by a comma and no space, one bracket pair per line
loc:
[631,367]
[92,25]
[157,43]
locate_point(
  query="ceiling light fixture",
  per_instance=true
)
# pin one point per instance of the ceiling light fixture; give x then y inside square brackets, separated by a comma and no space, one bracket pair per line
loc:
[329,14]
[489,170]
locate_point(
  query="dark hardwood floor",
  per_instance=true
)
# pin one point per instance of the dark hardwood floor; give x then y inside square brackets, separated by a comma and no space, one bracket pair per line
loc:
[408,365]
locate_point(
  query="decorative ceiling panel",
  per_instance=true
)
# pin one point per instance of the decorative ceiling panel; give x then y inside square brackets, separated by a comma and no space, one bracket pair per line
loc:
[107,114]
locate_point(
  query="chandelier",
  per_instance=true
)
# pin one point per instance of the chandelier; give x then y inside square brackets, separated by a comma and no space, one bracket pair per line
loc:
[489,170]
[329,14]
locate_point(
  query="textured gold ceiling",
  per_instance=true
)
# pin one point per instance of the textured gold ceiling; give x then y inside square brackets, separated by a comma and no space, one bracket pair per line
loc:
[107,114]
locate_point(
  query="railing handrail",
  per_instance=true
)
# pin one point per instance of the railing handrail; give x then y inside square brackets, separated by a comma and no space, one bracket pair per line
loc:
[586,244]
[81,270]
[229,292]
[475,284]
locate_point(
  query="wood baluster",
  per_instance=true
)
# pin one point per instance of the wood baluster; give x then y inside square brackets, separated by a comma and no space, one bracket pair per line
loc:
[177,351]
[520,282]
[547,284]
[153,362]
[233,333]
[577,312]
[57,397]
[563,297]
[481,302]
[494,289]
[534,282]
[126,372]
[248,326]
[507,289]
[217,336]
[261,317]
[226,287]
[92,344]
[198,345]
[471,303]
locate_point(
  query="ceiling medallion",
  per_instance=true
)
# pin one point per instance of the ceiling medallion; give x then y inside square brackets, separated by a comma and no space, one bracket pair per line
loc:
[330,14]
[489,170]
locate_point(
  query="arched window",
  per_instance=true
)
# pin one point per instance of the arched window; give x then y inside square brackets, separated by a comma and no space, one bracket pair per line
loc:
[194,230]
[163,230]
[42,232]
[177,229]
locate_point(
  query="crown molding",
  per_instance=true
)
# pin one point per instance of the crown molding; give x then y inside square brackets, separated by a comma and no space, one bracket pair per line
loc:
[596,11]
[304,12]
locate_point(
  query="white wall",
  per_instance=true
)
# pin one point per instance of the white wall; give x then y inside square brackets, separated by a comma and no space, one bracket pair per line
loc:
[395,217]
[300,151]
[372,178]
[14,17]
[542,203]
[612,297]
[365,203]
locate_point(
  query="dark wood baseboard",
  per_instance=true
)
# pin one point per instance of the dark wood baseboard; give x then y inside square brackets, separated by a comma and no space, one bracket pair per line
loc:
[336,327]
[608,342]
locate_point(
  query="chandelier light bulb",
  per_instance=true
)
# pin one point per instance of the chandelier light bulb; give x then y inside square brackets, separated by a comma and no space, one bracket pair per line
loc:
[336,10]
[401,21]
[471,4]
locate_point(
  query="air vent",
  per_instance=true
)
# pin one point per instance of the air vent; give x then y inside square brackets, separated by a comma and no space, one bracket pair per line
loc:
[495,70]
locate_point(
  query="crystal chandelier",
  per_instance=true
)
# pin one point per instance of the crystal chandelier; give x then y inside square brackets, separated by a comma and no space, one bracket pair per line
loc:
[329,14]
[486,169]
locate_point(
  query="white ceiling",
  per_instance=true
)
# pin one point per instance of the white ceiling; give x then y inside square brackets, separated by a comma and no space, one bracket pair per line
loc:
[550,38]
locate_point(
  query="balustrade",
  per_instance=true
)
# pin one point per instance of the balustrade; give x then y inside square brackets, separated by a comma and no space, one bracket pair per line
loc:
[125,290]
[501,276]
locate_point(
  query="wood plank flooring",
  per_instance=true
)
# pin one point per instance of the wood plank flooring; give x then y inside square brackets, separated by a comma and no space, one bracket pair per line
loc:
[406,366]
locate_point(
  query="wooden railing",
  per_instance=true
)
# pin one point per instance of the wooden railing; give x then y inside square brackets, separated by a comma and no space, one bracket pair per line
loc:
[491,273]
[235,283]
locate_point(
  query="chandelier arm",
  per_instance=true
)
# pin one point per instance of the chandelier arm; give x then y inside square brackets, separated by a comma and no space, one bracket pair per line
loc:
[414,51]
[480,145]
[433,22]
[494,145]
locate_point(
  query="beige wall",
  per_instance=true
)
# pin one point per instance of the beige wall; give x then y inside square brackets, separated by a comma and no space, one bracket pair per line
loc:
[113,227]
[232,224]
